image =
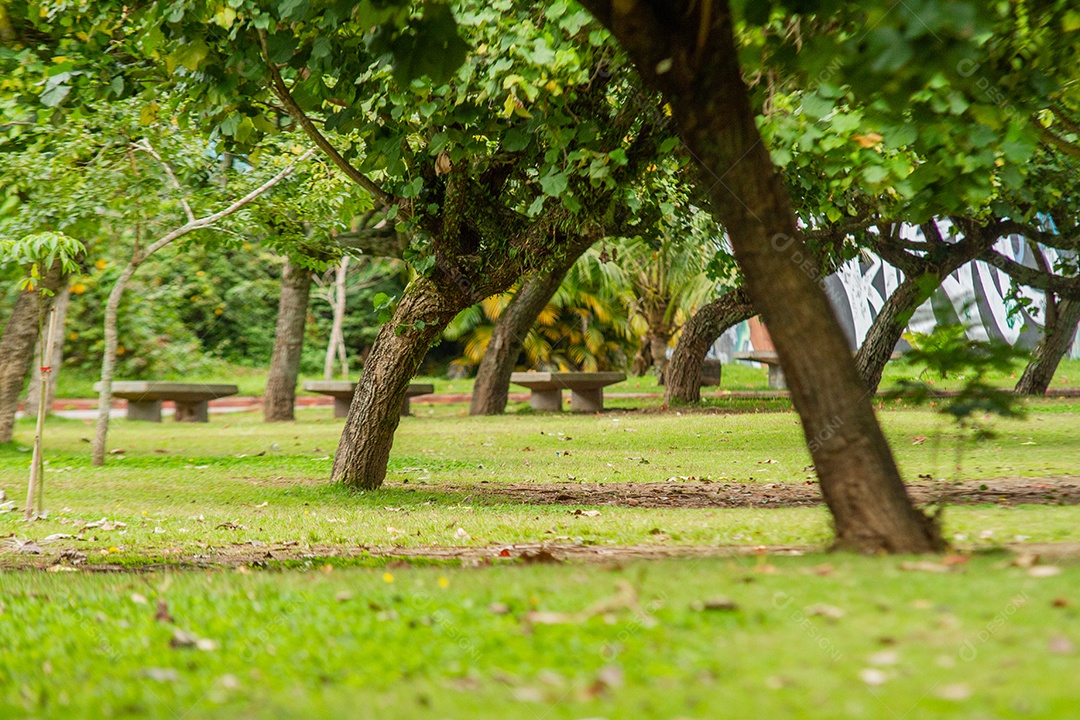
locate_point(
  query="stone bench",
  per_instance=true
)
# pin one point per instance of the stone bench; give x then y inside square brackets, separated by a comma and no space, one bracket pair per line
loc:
[191,399]
[776,373]
[342,391]
[586,388]
[767,357]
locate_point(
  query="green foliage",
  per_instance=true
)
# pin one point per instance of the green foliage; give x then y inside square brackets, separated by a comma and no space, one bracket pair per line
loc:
[948,351]
[39,252]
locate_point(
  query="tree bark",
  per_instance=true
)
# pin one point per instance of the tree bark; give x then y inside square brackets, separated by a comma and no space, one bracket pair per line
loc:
[279,398]
[688,51]
[1048,352]
[890,324]
[683,380]
[17,346]
[33,395]
[492,384]
[399,348]
[336,346]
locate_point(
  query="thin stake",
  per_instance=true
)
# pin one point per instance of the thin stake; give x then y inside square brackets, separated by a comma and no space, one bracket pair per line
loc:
[37,479]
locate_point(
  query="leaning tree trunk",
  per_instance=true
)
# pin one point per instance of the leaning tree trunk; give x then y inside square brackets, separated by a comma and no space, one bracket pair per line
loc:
[492,384]
[1048,352]
[17,347]
[33,395]
[364,448]
[279,398]
[688,50]
[888,327]
[682,383]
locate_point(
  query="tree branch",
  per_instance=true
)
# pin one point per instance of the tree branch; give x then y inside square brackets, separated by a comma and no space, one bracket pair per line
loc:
[317,137]
[146,147]
[1066,287]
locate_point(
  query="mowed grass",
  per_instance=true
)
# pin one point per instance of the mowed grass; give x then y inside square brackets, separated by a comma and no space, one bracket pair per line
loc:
[326,629]
[735,376]
[806,637]
[237,484]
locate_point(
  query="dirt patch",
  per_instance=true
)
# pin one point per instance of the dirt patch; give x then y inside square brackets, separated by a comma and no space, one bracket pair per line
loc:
[704,494]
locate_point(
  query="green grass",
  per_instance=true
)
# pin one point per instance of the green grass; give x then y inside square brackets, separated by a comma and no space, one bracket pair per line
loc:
[736,376]
[630,642]
[175,484]
[329,629]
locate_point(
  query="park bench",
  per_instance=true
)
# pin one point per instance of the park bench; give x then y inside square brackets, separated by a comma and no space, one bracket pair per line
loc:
[776,373]
[192,400]
[586,388]
[767,357]
[342,391]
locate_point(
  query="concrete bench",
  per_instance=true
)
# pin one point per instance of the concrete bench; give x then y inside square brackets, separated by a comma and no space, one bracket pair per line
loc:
[776,373]
[767,357]
[586,388]
[342,391]
[191,399]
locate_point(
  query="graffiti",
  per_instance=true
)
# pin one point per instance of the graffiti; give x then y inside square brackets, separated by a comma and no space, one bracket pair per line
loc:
[977,295]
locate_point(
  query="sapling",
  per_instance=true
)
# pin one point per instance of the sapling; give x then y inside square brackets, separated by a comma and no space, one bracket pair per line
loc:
[38,253]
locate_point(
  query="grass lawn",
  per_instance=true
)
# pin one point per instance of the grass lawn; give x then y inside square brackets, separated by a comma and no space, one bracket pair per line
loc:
[736,376]
[308,617]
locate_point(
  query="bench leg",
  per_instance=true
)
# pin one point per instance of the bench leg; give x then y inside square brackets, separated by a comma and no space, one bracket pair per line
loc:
[405,407]
[147,410]
[587,401]
[776,378]
[341,407]
[546,400]
[193,411]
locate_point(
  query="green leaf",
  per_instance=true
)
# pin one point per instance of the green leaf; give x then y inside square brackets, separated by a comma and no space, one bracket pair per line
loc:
[554,183]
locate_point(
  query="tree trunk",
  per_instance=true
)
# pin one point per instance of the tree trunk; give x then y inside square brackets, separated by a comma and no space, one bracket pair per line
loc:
[279,398]
[659,338]
[683,380]
[33,395]
[336,347]
[507,338]
[889,326]
[688,50]
[17,346]
[1056,341]
[364,448]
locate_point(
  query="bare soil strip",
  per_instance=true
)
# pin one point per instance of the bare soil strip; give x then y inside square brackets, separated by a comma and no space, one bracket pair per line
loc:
[1063,490]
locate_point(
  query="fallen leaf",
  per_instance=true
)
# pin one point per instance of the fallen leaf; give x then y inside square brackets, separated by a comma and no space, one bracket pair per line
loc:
[829,612]
[461,534]
[1061,645]
[138,599]
[343,596]
[540,557]
[918,440]
[498,608]
[955,692]
[1044,571]
[885,657]
[161,674]
[162,614]
[925,566]
[873,676]
[720,604]
[585,513]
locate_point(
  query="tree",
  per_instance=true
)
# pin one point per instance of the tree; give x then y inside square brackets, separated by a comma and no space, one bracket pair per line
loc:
[34,395]
[279,397]
[682,382]
[48,258]
[689,52]
[193,223]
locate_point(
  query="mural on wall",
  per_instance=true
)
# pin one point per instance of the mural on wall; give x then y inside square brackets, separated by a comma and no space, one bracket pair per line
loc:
[977,296]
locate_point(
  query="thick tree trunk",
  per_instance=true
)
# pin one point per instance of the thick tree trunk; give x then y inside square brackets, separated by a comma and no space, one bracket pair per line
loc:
[279,398]
[507,338]
[364,448]
[33,395]
[17,347]
[682,383]
[1056,341]
[659,338]
[336,346]
[890,324]
[688,50]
